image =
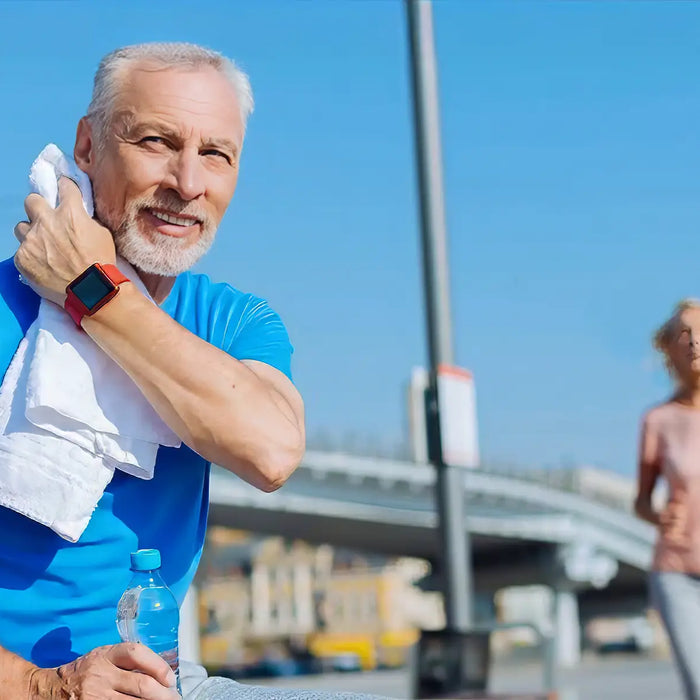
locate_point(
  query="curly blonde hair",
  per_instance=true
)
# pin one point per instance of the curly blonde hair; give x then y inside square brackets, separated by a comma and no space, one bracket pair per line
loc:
[663,337]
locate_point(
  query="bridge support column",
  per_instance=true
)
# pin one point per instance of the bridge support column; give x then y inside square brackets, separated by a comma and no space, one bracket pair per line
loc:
[567,627]
[578,564]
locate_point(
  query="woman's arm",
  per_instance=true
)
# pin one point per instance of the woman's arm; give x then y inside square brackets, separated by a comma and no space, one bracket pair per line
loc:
[648,472]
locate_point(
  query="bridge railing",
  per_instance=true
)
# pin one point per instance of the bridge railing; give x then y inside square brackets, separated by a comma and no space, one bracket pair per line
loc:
[599,485]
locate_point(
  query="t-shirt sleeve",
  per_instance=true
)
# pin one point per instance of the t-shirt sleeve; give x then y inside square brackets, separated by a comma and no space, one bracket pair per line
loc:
[19,306]
[262,337]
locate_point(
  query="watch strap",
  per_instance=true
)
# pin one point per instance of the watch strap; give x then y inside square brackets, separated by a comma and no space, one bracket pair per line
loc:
[115,274]
[74,312]
[75,308]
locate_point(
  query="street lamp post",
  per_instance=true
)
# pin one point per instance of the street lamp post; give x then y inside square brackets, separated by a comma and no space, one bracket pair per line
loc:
[456,559]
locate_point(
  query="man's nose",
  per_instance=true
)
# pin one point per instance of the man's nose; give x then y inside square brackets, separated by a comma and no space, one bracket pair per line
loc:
[186,175]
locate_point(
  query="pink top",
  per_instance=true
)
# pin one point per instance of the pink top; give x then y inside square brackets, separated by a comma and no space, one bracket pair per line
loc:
[677,431]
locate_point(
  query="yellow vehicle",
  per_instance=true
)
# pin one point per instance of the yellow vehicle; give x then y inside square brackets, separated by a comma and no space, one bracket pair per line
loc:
[385,649]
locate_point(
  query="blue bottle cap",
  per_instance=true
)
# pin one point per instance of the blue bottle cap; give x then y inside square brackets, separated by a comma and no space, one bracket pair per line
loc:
[145,560]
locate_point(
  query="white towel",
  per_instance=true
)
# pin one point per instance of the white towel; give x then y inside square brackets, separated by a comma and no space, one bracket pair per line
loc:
[69,415]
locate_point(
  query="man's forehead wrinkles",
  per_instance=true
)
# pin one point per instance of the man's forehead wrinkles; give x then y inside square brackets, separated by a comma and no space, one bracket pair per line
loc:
[196,105]
[179,97]
[182,107]
[135,125]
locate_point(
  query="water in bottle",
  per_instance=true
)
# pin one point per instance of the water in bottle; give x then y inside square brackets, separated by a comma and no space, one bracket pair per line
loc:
[148,612]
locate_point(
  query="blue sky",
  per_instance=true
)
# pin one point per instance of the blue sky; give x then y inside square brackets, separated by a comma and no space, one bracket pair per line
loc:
[570,137]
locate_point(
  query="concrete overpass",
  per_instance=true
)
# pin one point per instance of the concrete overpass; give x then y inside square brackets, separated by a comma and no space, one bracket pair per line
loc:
[581,539]
[388,506]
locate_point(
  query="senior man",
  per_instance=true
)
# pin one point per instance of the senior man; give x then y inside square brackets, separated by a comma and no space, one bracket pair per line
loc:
[161,144]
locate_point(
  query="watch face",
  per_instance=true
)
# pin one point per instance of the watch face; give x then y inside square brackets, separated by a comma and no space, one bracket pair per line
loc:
[92,288]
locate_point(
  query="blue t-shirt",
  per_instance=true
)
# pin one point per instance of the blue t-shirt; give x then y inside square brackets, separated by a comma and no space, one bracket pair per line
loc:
[58,600]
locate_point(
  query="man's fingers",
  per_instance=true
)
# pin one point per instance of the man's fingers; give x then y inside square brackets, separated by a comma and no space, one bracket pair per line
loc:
[68,191]
[21,230]
[140,685]
[35,205]
[18,262]
[138,657]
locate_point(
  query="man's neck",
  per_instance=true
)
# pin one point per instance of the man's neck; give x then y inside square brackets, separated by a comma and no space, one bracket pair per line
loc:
[158,286]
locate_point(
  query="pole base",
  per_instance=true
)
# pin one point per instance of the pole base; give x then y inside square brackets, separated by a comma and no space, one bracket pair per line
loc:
[450,664]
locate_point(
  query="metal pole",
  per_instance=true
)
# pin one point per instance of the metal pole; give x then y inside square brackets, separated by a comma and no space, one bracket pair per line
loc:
[450,491]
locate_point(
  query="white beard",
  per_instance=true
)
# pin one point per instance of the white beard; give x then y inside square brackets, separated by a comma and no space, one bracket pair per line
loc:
[166,256]
[150,251]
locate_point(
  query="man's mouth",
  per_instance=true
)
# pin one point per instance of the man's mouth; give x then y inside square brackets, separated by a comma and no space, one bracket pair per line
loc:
[175,219]
[171,224]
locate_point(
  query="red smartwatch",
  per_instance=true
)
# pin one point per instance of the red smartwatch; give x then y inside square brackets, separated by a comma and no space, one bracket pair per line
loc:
[92,289]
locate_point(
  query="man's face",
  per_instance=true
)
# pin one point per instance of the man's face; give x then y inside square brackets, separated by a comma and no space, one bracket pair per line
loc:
[168,167]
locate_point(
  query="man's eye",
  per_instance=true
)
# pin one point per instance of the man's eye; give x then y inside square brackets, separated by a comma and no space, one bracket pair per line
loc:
[152,139]
[220,154]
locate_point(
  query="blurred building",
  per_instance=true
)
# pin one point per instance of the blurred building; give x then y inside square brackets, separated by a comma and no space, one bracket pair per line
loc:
[270,600]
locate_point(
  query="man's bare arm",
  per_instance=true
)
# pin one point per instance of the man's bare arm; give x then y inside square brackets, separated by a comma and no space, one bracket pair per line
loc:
[245,416]
[15,676]
[130,670]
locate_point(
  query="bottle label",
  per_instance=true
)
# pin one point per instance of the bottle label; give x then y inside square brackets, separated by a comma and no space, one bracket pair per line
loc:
[126,615]
[171,658]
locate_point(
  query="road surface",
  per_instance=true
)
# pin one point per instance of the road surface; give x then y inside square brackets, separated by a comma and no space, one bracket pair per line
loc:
[615,677]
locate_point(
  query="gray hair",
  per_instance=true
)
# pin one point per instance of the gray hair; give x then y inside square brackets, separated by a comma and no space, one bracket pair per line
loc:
[168,55]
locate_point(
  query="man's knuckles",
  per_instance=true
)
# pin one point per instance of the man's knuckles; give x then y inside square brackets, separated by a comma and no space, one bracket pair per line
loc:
[148,687]
[21,230]
[22,261]
[70,213]
[27,254]
[131,649]
[68,190]
[131,655]
[34,205]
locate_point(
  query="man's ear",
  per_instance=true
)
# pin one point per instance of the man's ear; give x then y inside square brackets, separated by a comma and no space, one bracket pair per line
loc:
[84,150]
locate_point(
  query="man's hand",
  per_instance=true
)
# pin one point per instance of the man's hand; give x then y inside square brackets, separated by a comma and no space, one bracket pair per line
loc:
[56,245]
[110,672]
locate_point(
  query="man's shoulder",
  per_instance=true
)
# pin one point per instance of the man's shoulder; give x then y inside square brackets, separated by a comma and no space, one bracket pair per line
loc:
[9,277]
[18,301]
[197,291]
[216,309]
[198,284]
[19,306]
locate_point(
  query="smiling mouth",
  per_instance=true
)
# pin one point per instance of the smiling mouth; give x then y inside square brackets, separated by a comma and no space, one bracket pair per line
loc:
[173,219]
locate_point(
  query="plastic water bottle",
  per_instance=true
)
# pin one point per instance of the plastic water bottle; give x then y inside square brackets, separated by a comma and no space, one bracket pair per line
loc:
[148,612]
